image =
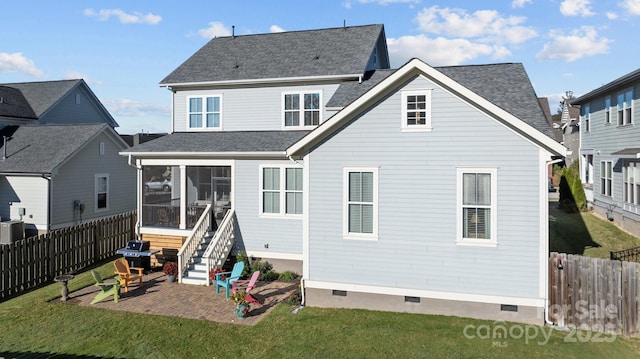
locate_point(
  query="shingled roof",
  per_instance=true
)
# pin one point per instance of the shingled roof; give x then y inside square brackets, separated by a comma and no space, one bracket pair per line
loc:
[324,52]
[14,105]
[42,148]
[220,142]
[43,94]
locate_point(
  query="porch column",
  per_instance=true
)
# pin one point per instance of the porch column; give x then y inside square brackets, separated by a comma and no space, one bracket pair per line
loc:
[183,197]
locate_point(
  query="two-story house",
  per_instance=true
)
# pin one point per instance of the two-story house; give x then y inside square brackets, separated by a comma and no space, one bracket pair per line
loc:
[610,150]
[415,189]
[60,161]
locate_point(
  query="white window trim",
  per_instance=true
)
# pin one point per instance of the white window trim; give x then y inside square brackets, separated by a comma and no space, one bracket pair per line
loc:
[419,128]
[587,118]
[345,204]
[493,242]
[301,109]
[625,121]
[204,127]
[95,192]
[607,110]
[282,193]
[603,176]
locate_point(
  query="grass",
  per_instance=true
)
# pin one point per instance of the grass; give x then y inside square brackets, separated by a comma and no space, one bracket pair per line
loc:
[585,234]
[32,326]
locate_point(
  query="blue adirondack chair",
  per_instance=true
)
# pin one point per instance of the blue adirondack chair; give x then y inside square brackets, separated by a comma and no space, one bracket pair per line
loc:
[230,277]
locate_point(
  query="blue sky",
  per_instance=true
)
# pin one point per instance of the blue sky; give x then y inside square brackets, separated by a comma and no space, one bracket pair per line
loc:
[123,49]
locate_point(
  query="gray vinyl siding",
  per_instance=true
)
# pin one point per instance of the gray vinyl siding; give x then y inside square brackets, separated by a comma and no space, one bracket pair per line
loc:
[29,193]
[284,235]
[417,202]
[67,111]
[604,139]
[248,108]
[76,181]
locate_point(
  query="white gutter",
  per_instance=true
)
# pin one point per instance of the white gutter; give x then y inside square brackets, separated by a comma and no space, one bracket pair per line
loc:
[263,81]
[547,320]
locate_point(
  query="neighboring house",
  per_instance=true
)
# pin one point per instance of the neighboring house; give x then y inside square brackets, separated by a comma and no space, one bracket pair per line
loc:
[60,164]
[419,189]
[570,127]
[138,138]
[610,150]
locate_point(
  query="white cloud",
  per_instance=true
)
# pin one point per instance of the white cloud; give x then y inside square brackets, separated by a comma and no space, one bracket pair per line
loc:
[633,6]
[16,62]
[276,28]
[123,17]
[576,8]
[348,3]
[582,42]
[612,15]
[483,25]
[72,75]
[520,3]
[123,107]
[438,51]
[215,29]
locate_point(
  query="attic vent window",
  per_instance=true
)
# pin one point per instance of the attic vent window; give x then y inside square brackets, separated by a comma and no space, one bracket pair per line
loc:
[77,99]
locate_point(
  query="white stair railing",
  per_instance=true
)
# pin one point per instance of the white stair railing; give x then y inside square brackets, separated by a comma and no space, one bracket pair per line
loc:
[192,243]
[221,244]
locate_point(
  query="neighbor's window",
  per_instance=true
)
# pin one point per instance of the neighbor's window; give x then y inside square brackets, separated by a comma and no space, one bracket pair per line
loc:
[101,191]
[205,112]
[416,110]
[281,190]
[631,183]
[607,109]
[624,107]
[587,117]
[360,203]
[477,205]
[606,174]
[301,109]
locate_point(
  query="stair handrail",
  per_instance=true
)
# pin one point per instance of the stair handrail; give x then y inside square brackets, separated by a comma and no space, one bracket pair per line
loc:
[221,244]
[190,245]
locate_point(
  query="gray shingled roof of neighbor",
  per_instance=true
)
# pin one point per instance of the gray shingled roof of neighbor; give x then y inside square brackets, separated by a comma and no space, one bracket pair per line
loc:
[620,81]
[325,52]
[13,104]
[42,95]
[219,142]
[41,148]
[506,85]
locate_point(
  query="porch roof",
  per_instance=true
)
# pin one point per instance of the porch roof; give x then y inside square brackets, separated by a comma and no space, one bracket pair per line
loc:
[230,143]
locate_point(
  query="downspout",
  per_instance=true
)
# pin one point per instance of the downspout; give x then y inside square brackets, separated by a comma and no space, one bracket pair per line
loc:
[547,320]
[302,277]
[49,201]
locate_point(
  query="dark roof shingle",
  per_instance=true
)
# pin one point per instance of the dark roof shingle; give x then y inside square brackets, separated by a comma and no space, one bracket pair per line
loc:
[13,104]
[43,95]
[324,52]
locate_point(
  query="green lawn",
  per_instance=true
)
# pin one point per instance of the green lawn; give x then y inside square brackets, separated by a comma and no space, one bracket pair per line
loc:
[585,234]
[34,327]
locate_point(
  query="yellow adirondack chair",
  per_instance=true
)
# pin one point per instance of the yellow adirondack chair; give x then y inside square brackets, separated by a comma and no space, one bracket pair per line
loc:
[106,290]
[124,271]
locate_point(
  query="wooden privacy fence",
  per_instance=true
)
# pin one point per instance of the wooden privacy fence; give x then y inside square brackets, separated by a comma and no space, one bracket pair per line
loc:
[595,294]
[33,261]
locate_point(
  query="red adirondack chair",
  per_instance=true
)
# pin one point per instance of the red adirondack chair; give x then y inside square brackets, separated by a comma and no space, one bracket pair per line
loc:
[248,286]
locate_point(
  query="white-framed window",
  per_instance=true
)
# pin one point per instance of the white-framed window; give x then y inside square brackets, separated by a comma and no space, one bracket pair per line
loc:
[281,191]
[204,112]
[360,197]
[606,178]
[416,110]
[607,110]
[586,116]
[624,107]
[476,207]
[631,183]
[101,190]
[301,109]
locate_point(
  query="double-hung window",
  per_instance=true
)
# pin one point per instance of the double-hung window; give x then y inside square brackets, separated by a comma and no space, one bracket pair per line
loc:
[624,107]
[101,190]
[416,110]
[281,191]
[205,112]
[301,109]
[606,175]
[607,110]
[476,224]
[631,183]
[360,203]
[587,117]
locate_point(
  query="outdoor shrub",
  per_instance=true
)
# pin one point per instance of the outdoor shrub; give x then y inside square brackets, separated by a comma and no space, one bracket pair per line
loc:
[269,275]
[242,257]
[287,276]
[294,298]
[260,266]
[572,197]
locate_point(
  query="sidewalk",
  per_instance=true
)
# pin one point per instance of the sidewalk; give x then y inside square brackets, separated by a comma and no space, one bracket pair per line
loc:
[157,296]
